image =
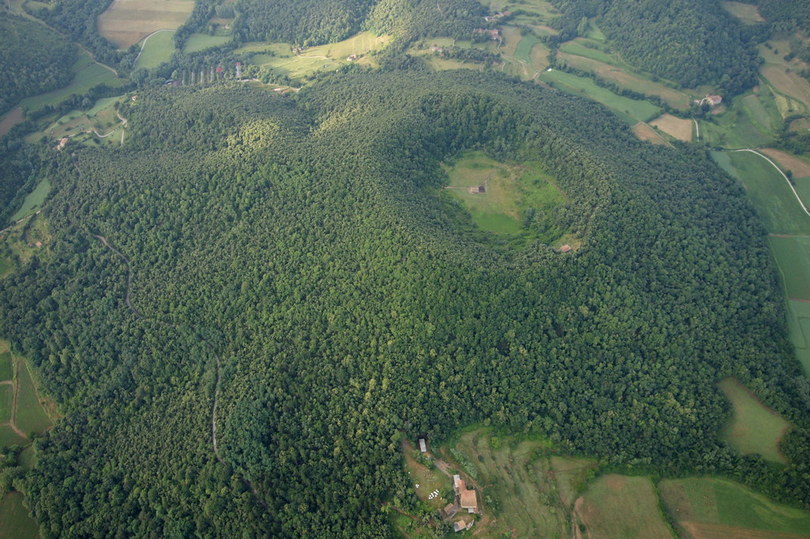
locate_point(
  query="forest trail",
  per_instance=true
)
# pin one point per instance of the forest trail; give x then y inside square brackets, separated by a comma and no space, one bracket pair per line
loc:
[765,157]
[218,384]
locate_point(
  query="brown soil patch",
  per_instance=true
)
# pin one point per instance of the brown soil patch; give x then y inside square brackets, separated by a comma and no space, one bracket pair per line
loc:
[128,21]
[672,125]
[799,167]
[12,118]
[643,131]
[700,530]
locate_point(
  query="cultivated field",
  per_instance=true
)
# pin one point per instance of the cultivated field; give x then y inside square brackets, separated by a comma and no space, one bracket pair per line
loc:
[15,522]
[87,74]
[644,132]
[621,506]
[10,119]
[754,428]
[675,127]
[630,110]
[798,166]
[126,22]
[746,13]
[706,508]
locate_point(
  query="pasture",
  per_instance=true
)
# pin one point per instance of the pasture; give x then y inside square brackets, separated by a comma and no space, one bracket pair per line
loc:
[6,369]
[745,13]
[87,74]
[799,166]
[126,22]
[6,402]
[754,428]
[675,127]
[200,42]
[30,414]
[526,492]
[34,200]
[737,127]
[156,49]
[621,506]
[8,437]
[631,111]
[643,131]
[15,521]
[792,255]
[770,194]
[709,508]
[510,190]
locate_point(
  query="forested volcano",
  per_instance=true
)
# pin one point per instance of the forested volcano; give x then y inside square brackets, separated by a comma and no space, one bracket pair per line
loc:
[250,304]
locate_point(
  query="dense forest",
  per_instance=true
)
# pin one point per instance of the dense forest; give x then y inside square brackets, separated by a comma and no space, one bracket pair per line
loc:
[281,295]
[315,22]
[34,58]
[692,42]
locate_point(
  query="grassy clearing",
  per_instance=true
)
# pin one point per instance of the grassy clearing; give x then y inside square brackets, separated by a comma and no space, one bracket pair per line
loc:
[6,369]
[511,191]
[100,124]
[200,42]
[736,127]
[528,493]
[643,131]
[126,22]
[675,127]
[329,57]
[706,507]
[429,479]
[745,13]
[34,200]
[19,243]
[31,415]
[87,74]
[631,111]
[793,257]
[157,48]
[15,521]
[8,437]
[769,192]
[621,506]
[6,402]
[754,428]
[799,328]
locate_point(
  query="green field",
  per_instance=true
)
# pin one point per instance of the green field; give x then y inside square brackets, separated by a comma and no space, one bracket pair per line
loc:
[526,492]
[6,370]
[799,327]
[771,195]
[706,507]
[157,48]
[593,52]
[33,201]
[8,437]
[524,48]
[631,111]
[15,521]
[511,190]
[31,416]
[429,479]
[87,74]
[622,506]
[793,257]
[754,428]
[6,402]
[746,124]
[200,42]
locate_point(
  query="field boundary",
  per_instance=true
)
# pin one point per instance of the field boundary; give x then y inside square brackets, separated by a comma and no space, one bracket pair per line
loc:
[765,157]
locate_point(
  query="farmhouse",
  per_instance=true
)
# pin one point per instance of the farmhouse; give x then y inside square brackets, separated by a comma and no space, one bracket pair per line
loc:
[466,498]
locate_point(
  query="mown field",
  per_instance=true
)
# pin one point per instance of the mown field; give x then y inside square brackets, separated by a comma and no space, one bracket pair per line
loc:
[34,200]
[716,508]
[799,327]
[631,111]
[644,132]
[200,42]
[793,256]
[126,22]
[31,416]
[621,506]
[675,127]
[15,522]
[746,13]
[156,49]
[88,74]
[754,428]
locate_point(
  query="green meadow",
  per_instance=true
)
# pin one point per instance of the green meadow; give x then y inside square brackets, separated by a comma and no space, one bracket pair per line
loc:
[200,42]
[799,327]
[793,257]
[34,200]
[31,416]
[15,520]
[6,370]
[631,111]
[6,402]
[754,428]
[157,48]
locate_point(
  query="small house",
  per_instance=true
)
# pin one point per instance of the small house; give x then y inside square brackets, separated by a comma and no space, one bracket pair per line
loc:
[422,445]
[62,143]
[478,189]
[468,500]
[458,484]
[449,510]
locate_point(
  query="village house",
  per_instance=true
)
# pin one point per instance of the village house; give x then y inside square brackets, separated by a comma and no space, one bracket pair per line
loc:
[462,525]
[466,498]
